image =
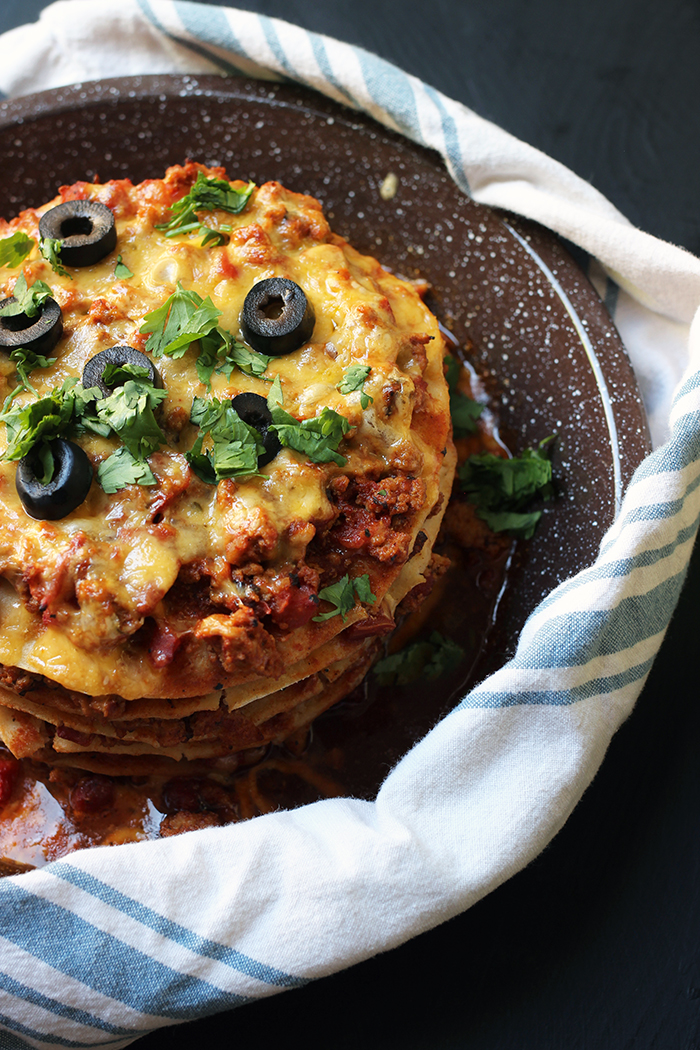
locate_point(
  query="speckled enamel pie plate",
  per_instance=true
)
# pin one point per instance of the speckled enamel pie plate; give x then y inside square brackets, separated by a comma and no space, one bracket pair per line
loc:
[541,338]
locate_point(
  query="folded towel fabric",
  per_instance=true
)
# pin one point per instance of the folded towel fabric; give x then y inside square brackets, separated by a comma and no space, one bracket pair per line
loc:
[106,945]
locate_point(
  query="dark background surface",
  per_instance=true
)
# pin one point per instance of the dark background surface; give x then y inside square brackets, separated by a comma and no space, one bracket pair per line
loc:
[595,946]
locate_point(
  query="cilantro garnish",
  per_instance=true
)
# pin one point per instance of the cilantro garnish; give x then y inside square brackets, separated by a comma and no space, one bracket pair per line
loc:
[465,413]
[318,438]
[121,469]
[343,594]
[207,194]
[501,489]
[50,248]
[427,659]
[70,409]
[44,459]
[354,378]
[129,413]
[28,299]
[115,375]
[26,361]
[235,446]
[221,346]
[184,318]
[463,409]
[121,270]
[275,396]
[14,249]
[42,420]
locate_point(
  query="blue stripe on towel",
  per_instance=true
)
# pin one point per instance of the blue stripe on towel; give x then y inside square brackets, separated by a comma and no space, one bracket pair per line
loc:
[105,963]
[191,45]
[275,46]
[174,931]
[53,1040]
[689,385]
[318,45]
[210,24]
[484,698]
[450,137]
[620,568]
[391,89]
[53,1006]
[571,640]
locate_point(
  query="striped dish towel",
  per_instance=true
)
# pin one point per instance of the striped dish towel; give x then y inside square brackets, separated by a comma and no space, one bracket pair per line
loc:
[106,945]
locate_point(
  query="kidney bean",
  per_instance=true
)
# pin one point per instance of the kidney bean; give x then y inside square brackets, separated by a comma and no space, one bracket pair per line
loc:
[93,794]
[198,795]
[182,793]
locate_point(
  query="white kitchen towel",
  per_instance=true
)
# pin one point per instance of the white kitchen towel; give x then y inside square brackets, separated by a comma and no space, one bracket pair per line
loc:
[107,944]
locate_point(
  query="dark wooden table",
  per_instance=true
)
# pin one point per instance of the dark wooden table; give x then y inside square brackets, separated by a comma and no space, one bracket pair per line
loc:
[595,945]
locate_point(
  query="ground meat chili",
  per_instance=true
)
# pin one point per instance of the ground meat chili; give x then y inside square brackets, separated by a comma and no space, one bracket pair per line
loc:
[45,813]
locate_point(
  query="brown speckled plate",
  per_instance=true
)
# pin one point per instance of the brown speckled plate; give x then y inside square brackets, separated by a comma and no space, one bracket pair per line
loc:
[508,287]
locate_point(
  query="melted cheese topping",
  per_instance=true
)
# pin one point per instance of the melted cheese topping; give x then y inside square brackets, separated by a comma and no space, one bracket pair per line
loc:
[76,592]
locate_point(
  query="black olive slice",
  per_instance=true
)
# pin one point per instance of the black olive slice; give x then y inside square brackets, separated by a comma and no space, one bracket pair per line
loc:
[277,317]
[85,229]
[39,334]
[70,484]
[253,410]
[117,355]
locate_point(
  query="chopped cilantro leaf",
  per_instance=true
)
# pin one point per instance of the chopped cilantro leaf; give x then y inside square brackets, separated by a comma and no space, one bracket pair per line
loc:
[207,194]
[206,414]
[275,396]
[502,489]
[465,413]
[518,524]
[14,249]
[183,318]
[201,463]
[237,454]
[463,409]
[27,300]
[343,594]
[427,659]
[363,589]
[121,270]
[115,375]
[50,248]
[235,446]
[121,469]
[41,420]
[26,361]
[354,378]
[220,346]
[318,437]
[237,355]
[84,411]
[43,458]
[129,413]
